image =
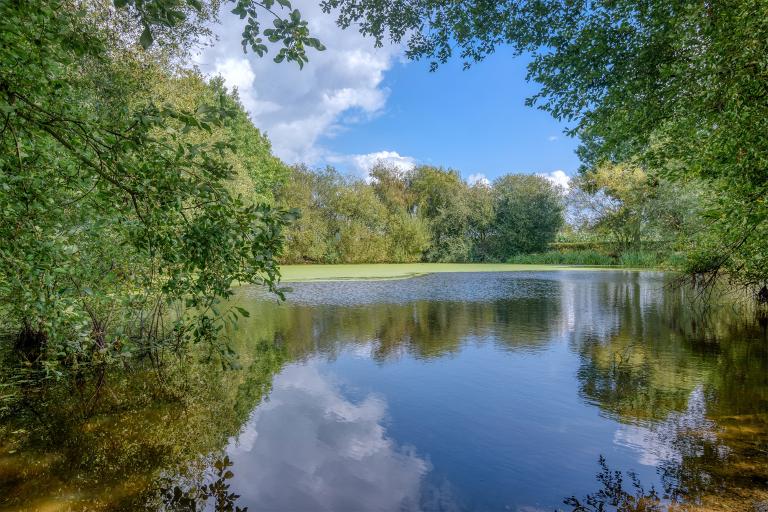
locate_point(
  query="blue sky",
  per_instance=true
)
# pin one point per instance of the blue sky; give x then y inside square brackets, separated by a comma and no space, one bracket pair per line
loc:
[354,104]
[475,121]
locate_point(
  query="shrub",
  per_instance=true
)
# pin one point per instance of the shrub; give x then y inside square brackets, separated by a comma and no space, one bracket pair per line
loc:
[580,257]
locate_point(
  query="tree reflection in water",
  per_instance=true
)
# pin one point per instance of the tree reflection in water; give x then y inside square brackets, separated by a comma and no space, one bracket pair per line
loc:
[614,495]
[686,394]
[60,453]
[691,393]
[198,495]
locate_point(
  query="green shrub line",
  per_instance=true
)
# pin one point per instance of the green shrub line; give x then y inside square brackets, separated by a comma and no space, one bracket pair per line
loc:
[591,257]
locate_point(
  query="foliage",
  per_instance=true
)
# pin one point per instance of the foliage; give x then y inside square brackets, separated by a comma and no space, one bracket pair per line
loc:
[177,498]
[290,31]
[577,257]
[613,495]
[678,86]
[425,214]
[528,215]
[120,450]
[122,224]
[639,259]
[440,197]
[631,208]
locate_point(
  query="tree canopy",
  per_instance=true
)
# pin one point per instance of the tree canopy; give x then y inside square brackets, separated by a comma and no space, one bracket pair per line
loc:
[128,186]
[423,214]
[679,87]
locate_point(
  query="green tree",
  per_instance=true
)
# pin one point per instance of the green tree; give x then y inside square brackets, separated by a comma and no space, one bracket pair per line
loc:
[166,20]
[680,85]
[440,197]
[407,231]
[482,210]
[117,205]
[359,225]
[632,208]
[528,215]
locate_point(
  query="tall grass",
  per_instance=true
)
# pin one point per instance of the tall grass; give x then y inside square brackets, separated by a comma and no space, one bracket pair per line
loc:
[579,257]
[639,259]
[631,259]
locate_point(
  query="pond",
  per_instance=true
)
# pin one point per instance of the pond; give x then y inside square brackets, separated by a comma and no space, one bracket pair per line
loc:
[476,391]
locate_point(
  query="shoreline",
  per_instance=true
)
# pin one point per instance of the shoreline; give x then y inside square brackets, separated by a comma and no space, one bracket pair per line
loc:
[392,271]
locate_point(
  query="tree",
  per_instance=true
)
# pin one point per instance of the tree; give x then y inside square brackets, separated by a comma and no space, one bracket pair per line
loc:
[679,85]
[408,232]
[117,204]
[308,238]
[347,220]
[631,207]
[359,225]
[440,197]
[528,214]
[168,19]
[480,199]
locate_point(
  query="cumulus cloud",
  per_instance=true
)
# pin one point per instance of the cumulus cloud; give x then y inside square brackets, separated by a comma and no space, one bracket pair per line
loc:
[558,178]
[362,164]
[337,88]
[309,448]
[479,178]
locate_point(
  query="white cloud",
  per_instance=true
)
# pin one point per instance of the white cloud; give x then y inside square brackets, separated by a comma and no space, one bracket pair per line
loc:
[310,448]
[558,178]
[363,163]
[661,442]
[552,138]
[338,87]
[478,178]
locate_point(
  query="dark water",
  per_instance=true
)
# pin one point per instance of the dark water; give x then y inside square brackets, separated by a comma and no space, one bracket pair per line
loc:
[443,392]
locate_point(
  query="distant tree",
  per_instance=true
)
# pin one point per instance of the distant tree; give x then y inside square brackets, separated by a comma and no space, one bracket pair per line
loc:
[623,202]
[308,239]
[407,230]
[359,225]
[424,214]
[440,196]
[481,212]
[528,213]
[392,186]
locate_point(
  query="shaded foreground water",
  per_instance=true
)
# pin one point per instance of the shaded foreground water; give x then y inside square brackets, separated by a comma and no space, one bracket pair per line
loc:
[444,392]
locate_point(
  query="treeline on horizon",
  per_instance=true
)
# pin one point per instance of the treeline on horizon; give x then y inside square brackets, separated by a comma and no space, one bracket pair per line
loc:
[422,214]
[615,214]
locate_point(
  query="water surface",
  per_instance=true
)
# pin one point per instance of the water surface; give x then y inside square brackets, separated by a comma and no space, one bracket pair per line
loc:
[488,391]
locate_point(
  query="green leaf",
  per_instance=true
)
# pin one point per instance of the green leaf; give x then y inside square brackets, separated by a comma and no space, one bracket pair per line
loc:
[146,38]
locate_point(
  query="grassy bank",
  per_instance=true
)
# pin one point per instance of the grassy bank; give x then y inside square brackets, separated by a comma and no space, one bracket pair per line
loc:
[299,273]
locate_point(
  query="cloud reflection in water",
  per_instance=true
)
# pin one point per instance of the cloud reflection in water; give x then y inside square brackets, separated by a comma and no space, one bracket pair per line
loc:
[309,448]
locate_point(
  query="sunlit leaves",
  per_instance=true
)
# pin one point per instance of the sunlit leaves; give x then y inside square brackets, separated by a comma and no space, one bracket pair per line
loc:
[117,199]
[290,30]
[678,87]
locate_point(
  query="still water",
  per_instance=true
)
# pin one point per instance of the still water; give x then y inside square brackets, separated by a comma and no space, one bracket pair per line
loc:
[488,391]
